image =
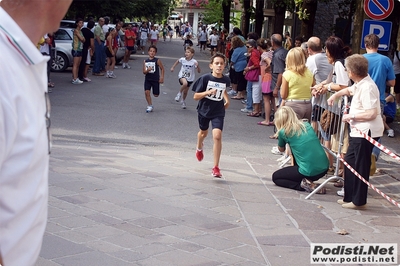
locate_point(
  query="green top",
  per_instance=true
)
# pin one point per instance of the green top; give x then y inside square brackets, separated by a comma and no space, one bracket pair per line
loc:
[98,31]
[307,151]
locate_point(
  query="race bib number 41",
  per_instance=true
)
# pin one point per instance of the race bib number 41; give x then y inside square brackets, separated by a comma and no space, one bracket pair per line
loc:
[220,87]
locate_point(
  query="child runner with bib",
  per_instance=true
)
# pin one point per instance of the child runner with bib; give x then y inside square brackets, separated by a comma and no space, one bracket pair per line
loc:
[210,91]
[186,74]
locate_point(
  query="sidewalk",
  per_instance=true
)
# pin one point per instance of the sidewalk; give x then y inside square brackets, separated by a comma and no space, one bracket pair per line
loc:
[141,205]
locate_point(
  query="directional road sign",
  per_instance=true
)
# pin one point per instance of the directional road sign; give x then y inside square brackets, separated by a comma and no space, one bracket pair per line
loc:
[381,28]
[378,9]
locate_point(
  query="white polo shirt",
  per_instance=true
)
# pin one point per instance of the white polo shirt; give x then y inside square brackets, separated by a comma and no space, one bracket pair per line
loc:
[24,159]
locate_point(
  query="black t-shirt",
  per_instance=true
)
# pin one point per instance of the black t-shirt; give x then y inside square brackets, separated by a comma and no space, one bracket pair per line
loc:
[213,105]
[88,34]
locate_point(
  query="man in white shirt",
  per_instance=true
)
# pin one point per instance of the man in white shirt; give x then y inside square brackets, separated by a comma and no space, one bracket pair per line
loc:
[24,127]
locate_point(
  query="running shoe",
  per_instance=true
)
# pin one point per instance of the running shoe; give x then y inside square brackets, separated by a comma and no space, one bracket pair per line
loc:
[112,76]
[199,155]
[245,110]
[216,172]
[149,109]
[183,105]
[390,133]
[128,66]
[340,192]
[77,81]
[178,97]
[87,79]
[275,150]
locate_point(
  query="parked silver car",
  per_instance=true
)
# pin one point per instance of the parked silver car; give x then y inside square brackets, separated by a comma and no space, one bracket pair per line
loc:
[63,57]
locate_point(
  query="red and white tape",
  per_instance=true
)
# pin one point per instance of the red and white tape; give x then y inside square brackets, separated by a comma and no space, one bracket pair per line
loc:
[377,144]
[385,150]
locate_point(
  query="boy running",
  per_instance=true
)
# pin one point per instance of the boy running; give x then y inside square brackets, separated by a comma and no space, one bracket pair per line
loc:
[186,74]
[152,80]
[210,91]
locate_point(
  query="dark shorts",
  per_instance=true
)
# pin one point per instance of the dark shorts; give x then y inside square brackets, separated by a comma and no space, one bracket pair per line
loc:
[216,122]
[213,47]
[130,48]
[188,82]
[76,53]
[241,81]
[108,53]
[389,119]
[203,42]
[316,113]
[397,85]
[270,94]
[152,84]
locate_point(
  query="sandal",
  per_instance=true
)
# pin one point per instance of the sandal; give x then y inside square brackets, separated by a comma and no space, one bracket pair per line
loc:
[273,137]
[261,123]
[237,98]
[254,114]
[338,183]
[50,85]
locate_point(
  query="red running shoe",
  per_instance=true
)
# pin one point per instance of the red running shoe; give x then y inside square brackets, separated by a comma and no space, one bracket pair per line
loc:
[216,172]
[199,155]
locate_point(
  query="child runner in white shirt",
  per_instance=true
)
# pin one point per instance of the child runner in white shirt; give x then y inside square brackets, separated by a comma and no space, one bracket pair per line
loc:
[210,91]
[186,74]
[213,41]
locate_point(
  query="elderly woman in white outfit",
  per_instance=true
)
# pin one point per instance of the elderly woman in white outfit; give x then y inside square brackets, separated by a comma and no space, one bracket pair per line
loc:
[364,116]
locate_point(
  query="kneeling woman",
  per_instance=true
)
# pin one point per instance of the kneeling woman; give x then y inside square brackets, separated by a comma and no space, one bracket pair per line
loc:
[310,161]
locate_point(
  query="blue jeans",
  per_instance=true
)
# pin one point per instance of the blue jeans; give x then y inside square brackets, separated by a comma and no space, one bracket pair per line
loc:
[249,91]
[100,57]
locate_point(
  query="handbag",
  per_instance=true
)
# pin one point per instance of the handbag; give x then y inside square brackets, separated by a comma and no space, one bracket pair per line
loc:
[252,75]
[330,122]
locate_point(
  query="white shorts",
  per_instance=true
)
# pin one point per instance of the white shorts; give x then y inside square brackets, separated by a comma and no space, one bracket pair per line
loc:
[257,95]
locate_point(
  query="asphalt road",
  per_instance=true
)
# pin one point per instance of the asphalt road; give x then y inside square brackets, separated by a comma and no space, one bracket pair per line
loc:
[113,110]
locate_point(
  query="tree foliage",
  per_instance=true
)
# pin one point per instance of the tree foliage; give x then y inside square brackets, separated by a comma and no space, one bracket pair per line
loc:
[154,10]
[219,11]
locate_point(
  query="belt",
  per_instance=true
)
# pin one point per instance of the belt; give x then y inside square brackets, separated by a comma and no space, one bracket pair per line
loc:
[298,100]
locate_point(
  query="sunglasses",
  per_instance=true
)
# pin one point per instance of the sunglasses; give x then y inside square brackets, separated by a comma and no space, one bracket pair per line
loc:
[248,46]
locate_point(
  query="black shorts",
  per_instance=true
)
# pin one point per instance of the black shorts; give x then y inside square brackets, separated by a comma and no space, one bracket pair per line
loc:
[188,82]
[108,53]
[213,47]
[389,119]
[216,122]
[152,84]
[130,48]
[203,42]
[397,85]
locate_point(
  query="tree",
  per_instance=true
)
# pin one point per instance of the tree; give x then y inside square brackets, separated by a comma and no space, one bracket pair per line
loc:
[259,17]
[246,16]
[226,9]
[142,9]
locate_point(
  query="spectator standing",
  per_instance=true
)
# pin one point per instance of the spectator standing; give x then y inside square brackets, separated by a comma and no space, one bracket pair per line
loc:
[99,39]
[130,40]
[396,69]
[364,116]
[317,62]
[253,89]
[77,46]
[203,38]
[25,139]
[380,68]
[45,49]
[151,69]
[105,26]
[238,63]
[288,41]
[296,83]
[87,51]
[264,46]
[210,91]
[277,65]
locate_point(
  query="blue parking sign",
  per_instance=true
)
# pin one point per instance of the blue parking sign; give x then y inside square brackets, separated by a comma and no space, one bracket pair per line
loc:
[381,28]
